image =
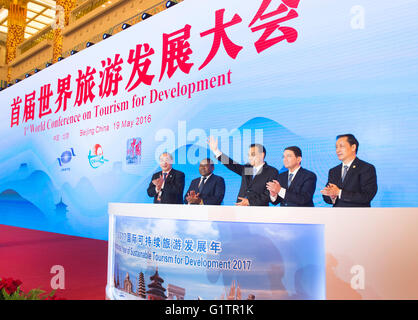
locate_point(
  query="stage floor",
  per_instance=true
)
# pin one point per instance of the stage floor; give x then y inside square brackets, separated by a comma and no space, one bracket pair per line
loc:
[29,255]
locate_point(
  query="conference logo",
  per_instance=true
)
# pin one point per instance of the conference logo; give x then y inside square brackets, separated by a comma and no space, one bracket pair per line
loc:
[133,151]
[96,158]
[66,158]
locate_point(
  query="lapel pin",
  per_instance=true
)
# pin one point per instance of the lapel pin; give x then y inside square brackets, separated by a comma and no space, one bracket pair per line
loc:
[354,166]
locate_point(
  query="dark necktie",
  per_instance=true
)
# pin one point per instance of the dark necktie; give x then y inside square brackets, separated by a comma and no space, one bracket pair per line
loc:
[164,176]
[202,184]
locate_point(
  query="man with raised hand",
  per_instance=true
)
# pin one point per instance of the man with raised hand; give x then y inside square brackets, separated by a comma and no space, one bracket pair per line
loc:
[254,175]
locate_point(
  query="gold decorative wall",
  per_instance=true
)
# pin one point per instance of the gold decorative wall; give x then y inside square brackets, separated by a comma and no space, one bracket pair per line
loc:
[79,21]
[16,23]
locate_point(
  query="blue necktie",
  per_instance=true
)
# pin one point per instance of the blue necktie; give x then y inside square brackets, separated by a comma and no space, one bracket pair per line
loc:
[289,181]
[344,173]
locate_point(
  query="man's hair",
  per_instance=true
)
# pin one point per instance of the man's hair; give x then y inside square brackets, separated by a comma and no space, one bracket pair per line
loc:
[209,161]
[296,151]
[259,147]
[168,154]
[351,139]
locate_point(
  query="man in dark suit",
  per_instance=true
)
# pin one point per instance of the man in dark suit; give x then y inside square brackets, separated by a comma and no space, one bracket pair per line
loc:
[352,183]
[254,175]
[208,189]
[296,186]
[167,185]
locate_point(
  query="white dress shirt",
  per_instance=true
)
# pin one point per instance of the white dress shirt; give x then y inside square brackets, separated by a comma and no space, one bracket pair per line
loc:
[217,153]
[257,169]
[201,179]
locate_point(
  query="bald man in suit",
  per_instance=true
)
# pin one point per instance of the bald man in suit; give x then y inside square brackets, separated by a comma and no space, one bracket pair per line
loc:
[167,185]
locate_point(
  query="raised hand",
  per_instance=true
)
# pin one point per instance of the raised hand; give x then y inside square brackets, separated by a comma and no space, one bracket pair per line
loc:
[213,143]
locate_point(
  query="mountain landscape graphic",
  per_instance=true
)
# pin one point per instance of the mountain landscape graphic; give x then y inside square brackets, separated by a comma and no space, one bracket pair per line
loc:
[17,211]
[36,188]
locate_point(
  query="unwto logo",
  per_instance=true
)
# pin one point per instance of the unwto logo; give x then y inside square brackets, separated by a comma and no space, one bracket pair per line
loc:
[96,158]
[65,158]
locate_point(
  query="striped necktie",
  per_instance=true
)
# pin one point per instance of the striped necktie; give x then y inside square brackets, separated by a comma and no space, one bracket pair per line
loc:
[344,173]
[289,181]
[254,172]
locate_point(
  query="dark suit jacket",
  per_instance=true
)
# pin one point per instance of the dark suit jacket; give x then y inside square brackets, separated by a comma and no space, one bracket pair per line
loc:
[173,187]
[359,186]
[254,190]
[213,190]
[301,190]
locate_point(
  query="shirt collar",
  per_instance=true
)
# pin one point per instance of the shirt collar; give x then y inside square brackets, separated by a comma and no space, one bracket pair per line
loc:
[207,177]
[259,167]
[349,163]
[294,172]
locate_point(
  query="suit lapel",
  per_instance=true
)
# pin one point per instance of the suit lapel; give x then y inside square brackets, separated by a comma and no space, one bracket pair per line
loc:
[170,175]
[157,175]
[295,178]
[285,180]
[338,173]
[195,186]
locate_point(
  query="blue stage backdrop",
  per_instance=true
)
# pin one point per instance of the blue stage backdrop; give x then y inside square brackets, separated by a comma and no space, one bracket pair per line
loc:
[87,130]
